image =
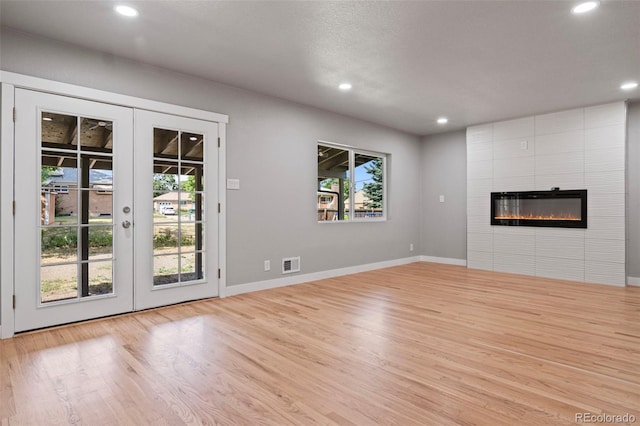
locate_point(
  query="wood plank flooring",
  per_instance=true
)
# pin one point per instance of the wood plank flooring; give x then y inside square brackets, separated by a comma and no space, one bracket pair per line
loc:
[420,344]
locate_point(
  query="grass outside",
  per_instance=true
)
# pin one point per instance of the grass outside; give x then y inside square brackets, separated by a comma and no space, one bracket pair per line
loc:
[60,244]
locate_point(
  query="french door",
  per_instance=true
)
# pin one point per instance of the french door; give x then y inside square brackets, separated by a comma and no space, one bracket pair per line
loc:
[89,187]
[176,217]
[74,201]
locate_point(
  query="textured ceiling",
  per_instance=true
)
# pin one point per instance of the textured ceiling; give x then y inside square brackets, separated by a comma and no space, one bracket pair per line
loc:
[409,62]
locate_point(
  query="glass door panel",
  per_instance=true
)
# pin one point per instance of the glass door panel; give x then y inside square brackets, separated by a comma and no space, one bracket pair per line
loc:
[178,231]
[70,197]
[69,192]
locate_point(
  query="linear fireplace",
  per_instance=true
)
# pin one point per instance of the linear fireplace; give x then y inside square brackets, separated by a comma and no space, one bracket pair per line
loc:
[555,208]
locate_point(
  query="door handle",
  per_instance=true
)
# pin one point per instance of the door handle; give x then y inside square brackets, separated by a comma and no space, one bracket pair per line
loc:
[126,224]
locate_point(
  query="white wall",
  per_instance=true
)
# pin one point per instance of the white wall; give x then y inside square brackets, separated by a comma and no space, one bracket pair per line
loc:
[271,149]
[575,149]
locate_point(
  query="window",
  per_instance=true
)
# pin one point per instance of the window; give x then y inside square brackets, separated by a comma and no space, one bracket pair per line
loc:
[343,171]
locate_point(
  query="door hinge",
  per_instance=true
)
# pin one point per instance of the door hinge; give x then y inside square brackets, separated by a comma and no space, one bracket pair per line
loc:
[13,208]
[14,301]
[219,273]
[219,208]
[14,114]
[218,138]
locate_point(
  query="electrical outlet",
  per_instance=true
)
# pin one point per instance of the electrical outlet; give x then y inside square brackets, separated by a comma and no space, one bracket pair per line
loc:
[524,144]
[410,247]
[267,265]
[442,198]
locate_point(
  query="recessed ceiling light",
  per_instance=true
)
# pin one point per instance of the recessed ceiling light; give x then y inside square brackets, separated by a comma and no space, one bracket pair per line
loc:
[47,119]
[442,120]
[126,11]
[629,86]
[585,7]
[345,86]
[193,138]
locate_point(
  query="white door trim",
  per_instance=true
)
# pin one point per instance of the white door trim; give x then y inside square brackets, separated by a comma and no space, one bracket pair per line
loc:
[6,212]
[10,81]
[222,216]
[58,88]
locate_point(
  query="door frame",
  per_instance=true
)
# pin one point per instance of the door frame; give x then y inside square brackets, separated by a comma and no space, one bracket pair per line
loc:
[9,82]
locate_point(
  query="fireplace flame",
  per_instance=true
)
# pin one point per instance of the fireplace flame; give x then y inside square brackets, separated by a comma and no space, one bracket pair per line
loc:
[532,217]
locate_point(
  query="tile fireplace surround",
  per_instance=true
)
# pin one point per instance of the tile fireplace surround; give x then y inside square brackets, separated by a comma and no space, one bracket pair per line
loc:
[581,148]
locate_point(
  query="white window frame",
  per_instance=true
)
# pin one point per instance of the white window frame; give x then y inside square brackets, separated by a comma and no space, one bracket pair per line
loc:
[353,151]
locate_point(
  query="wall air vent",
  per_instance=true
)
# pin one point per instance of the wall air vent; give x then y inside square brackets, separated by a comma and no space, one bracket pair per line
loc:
[290,264]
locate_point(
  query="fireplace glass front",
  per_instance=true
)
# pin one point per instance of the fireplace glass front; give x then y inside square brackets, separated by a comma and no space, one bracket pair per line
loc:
[555,208]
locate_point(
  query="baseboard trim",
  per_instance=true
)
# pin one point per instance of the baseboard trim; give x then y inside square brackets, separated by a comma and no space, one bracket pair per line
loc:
[633,281]
[445,260]
[299,279]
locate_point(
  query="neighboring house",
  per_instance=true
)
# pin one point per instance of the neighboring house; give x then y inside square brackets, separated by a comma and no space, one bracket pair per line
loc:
[360,202]
[328,205]
[60,194]
[171,199]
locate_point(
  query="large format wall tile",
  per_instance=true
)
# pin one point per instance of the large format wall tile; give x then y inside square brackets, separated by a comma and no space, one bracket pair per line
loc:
[480,242]
[481,133]
[514,263]
[480,151]
[604,160]
[562,181]
[559,164]
[560,243]
[479,206]
[605,205]
[605,273]
[512,129]
[605,182]
[567,269]
[515,243]
[559,122]
[514,183]
[479,169]
[479,224]
[479,187]
[515,230]
[605,228]
[480,260]
[523,166]
[511,148]
[605,115]
[612,251]
[604,137]
[558,143]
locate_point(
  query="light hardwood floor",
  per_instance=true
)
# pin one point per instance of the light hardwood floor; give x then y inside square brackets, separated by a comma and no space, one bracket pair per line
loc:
[422,344]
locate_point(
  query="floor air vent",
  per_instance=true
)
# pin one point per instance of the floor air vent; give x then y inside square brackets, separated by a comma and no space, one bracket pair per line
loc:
[290,264]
